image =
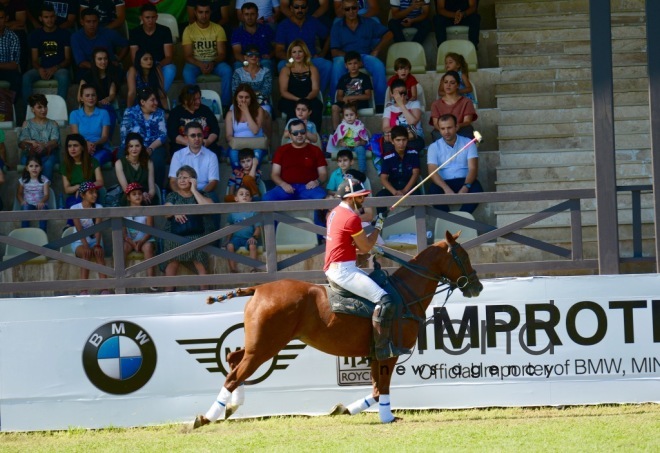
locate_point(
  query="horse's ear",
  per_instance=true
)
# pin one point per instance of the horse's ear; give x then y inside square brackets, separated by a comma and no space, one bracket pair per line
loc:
[451,239]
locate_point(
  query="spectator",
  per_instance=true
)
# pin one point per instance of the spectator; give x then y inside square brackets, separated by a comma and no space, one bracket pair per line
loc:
[344,163]
[33,190]
[366,37]
[189,226]
[452,102]
[202,159]
[91,36]
[252,32]
[269,10]
[112,13]
[456,62]
[366,8]
[299,169]
[135,167]
[245,176]
[204,50]
[190,108]
[259,79]
[402,69]
[16,13]
[244,120]
[403,112]
[354,86]
[410,14]
[352,134]
[105,78]
[79,167]
[88,247]
[300,79]
[93,123]
[40,136]
[400,167]
[303,113]
[247,237]
[299,26]
[3,155]
[220,12]
[10,53]
[66,13]
[459,175]
[319,9]
[145,74]
[157,40]
[148,120]
[136,240]
[51,54]
[456,12]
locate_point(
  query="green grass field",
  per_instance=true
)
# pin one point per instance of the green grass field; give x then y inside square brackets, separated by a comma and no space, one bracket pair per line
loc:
[584,428]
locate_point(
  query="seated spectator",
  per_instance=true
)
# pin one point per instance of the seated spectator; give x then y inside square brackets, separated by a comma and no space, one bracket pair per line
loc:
[365,8]
[247,176]
[259,78]
[245,120]
[456,12]
[220,12]
[252,33]
[300,79]
[400,169]
[354,86]
[16,14]
[88,247]
[66,13]
[148,120]
[3,152]
[136,240]
[452,102]
[351,134]
[135,167]
[344,163]
[190,108]
[33,190]
[105,78]
[402,68]
[303,113]
[460,175]
[79,167]
[112,14]
[299,169]
[90,36]
[145,74]
[92,123]
[456,62]
[204,49]
[410,14]
[50,54]
[191,227]
[366,37]
[320,9]
[269,11]
[247,237]
[40,136]
[403,112]
[155,39]
[201,159]
[10,54]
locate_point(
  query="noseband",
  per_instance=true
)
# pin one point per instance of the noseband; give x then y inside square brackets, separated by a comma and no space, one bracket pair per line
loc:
[467,278]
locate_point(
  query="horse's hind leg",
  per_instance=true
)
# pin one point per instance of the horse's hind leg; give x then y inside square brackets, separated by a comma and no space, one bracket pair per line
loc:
[238,395]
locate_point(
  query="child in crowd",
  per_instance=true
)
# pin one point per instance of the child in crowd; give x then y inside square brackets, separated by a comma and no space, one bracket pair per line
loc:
[88,247]
[136,240]
[303,113]
[352,134]
[456,62]
[354,86]
[33,190]
[402,67]
[246,176]
[249,236]
[344,164]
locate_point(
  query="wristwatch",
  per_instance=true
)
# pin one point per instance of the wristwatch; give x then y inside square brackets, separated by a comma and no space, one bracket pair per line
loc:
[468,185]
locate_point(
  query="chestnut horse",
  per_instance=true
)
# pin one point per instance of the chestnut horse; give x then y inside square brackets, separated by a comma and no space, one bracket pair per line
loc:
[284,310]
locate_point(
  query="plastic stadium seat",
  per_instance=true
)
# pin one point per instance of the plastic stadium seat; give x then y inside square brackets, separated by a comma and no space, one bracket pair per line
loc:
[35,236]
[290,239]
[52,201]
[208,96]
[67,248]
[442,225]
[413,51]
[456,31]
[170,22]
[393,233]
[57,110]
[459,46]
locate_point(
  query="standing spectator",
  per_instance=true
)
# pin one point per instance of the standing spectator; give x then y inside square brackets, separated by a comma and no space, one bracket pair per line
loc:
[269,10]
[10,54]
[190,108]
[452,102]
[155,39]
[93,123]
[136,167]
[51,54]
[105,78]
[460,175]
[299,26]
[148,120]
[252,32]
[204,49]
[66,13]
[112,13]
[245,119]
[456,12]
[354,86]
[33,190]
[40,136]
[79,167]
[366,8]
[91,36]
[410,14]
[403,112]
[366,37]
[299,169]
[144,73]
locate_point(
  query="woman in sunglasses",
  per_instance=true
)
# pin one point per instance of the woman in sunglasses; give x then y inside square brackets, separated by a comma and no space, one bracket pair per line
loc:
[260,79]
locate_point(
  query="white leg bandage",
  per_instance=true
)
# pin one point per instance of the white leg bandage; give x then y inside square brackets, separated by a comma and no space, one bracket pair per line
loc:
[361,404]
[384,409]
[217,409]
[238,396]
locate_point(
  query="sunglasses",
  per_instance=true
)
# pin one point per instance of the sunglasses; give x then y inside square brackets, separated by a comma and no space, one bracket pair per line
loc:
[299,6]
[351,8]
[297,133]
[252,54]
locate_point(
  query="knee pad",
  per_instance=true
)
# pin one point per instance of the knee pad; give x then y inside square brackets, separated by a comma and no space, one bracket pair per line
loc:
[384,310]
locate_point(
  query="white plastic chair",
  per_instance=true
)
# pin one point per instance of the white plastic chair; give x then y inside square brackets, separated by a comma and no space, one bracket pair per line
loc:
[413,51]
[461,47]
[403,227]
[51,203]
[170,22]
[442,225]
[290,239]
[57,110]
[211,96]
[67,249]
[35,236]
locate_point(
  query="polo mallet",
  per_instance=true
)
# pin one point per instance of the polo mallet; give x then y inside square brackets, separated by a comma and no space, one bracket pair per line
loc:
[477,138]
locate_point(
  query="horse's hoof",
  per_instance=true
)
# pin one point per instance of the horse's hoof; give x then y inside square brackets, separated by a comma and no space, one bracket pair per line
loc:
[230,410]
[339,409]
[199,421]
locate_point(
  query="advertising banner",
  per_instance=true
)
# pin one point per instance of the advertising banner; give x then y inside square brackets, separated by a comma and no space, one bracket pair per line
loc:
[131,360]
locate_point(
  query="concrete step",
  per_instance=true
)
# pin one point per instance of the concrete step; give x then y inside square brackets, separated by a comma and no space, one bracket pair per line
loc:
[534,117]
[566,86]
[552,184]
[542,8]
[574,156]
[566,34]
[569,172]
[564,21]
[569,141]
[568,47]
[568,60]
[552,101]
[625,126]
[532,74]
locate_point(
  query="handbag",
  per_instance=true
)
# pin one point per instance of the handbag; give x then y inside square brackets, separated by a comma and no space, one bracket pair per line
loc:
[248,142]
[193,226]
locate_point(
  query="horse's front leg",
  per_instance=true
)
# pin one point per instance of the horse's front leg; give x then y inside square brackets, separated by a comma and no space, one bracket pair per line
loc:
[381,376]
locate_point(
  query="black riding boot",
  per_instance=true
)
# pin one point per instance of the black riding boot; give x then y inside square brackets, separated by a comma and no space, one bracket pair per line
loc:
[382,323]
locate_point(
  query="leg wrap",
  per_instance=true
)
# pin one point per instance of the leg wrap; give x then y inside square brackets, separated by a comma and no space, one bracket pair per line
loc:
[361,404]
[238,396]
[384,409]
[217,409]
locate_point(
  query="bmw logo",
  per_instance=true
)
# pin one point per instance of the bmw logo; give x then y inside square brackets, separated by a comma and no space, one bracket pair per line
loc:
[119,357]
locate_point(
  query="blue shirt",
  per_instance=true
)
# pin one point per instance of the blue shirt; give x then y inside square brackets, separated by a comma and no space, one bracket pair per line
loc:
[287,32]
[262,38]
[336,178]
[237,217]
[90,126]
[362,40]
[151,129]
[83,46]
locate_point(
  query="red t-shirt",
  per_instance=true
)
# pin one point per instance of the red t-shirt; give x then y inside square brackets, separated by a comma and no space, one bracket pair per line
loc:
[343,224]
[299,165]
[411,81]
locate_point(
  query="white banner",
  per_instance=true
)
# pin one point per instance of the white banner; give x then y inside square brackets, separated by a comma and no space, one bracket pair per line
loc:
[149,359]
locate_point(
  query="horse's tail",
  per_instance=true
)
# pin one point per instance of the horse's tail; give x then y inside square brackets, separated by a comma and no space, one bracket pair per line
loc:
[235,293]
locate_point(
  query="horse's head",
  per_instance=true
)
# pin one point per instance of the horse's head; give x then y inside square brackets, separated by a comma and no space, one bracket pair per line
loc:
[461,274]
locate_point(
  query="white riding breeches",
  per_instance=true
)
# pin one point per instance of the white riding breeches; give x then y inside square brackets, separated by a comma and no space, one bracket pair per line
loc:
[350,277]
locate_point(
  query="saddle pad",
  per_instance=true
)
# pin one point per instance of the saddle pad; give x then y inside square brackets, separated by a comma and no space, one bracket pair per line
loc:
[356,306]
